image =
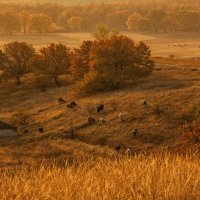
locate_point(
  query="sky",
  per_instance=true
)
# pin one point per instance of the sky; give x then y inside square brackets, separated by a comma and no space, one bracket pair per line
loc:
[57,1]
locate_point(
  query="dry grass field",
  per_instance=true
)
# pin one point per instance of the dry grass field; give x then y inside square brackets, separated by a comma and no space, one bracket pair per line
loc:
[173,90]
[150,177]
[54,165]
[162,44]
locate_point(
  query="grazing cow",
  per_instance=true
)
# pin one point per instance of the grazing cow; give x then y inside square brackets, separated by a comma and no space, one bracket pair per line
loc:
[100,108]
[121,117]
[25,131]
[117,147]
[91,120]
[72,105]
[101,120]
[61,101]
[144,103]
[128,152]
[41,130]
[134,132]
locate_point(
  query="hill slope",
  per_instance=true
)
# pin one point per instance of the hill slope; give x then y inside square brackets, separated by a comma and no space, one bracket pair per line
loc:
[170,90]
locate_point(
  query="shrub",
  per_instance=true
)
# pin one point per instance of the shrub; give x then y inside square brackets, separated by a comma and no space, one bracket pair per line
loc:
[191,132]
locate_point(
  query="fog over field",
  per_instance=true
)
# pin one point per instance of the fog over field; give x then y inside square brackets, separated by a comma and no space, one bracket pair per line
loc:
[65,2]
[181,45]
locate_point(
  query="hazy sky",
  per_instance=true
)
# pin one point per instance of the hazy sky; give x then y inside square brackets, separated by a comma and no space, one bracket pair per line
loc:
[58,1]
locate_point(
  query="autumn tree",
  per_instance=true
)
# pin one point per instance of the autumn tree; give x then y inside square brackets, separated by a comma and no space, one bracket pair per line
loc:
[16,58]
[143,60]
[132,21]
[102,32]
[24,17]
[75,23]
[114,62]
[9,22]
[157,16]
[81,59]
[189,20]
[51,9]
[171,22]
[2,23]
[53,60]
[63,19]
[144,25]
[40,23]
[117,19]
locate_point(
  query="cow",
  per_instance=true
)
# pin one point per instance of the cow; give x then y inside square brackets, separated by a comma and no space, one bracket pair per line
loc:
[61,100]
[100,108]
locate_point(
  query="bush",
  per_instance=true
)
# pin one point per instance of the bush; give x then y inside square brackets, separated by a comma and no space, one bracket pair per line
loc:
[191,132]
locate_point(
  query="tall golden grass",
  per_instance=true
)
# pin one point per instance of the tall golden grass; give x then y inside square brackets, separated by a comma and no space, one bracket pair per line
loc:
[140,177]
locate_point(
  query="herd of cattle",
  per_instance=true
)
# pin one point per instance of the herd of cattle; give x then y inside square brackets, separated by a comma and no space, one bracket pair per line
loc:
[91,121]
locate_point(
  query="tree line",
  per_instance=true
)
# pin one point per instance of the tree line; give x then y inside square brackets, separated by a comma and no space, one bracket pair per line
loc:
[107,63]
[144,15]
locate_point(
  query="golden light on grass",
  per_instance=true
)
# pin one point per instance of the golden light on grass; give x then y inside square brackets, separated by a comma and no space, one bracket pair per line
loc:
[141,177]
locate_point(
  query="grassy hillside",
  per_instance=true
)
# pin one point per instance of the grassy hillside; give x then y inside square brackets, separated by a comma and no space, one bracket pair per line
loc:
[172,90]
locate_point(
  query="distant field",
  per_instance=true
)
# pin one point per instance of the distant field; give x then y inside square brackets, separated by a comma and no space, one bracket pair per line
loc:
[162,44]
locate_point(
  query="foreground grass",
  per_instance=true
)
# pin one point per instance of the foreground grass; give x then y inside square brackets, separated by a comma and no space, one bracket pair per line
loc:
[141,177]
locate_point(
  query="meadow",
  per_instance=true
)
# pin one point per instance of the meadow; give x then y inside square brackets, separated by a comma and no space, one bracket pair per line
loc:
[182,45]
[172,92]
[163,176]
[55,165]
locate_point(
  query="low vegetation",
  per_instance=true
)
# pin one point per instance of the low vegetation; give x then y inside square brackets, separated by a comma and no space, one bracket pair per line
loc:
[140,177]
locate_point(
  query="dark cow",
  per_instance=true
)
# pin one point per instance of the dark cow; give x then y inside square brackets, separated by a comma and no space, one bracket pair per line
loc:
[134,132]
[117,147]
[144,102]
[100,108]
[74,104]
[41,130]
[61,101]
[25,131]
